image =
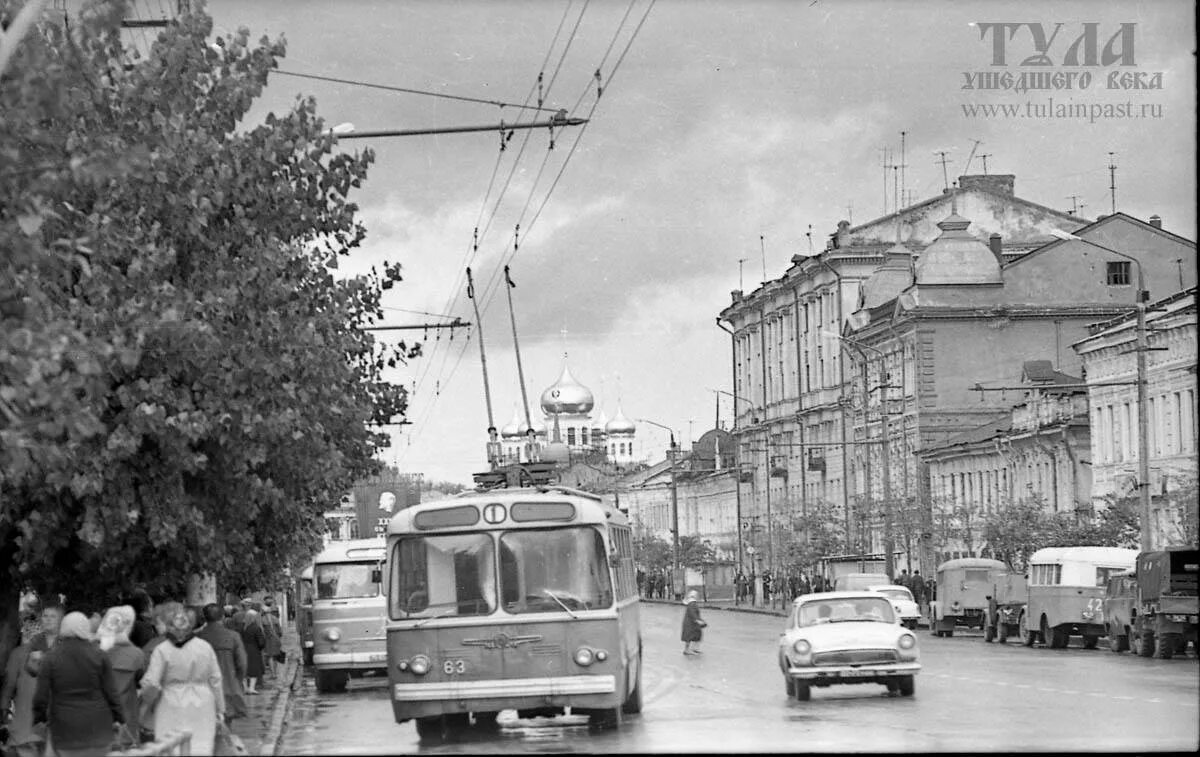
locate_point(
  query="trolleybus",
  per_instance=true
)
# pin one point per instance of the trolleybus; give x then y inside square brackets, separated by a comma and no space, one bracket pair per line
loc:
[1066,593]
[348,612]
[516,598]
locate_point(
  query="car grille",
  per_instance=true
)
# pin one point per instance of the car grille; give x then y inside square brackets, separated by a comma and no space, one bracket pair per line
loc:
[855,657]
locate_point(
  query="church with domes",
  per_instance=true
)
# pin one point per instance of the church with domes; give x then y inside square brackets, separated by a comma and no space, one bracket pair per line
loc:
[566,429]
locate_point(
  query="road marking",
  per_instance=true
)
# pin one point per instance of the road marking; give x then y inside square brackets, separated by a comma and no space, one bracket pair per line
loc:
[1023,686]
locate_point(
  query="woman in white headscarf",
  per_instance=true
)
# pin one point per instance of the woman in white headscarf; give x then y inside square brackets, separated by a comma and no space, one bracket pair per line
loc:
[128,662]
[183,683]
[76,693]
[691,633]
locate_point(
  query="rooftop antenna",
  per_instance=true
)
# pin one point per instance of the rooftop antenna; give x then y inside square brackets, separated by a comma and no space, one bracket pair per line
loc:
[967,167]
[1074,204]
[763,248]
[985,156]
[850,212]
[896,186]
[885,164]
[809,235]
[903,165]
[741,283]
[1112,181]
[943,161]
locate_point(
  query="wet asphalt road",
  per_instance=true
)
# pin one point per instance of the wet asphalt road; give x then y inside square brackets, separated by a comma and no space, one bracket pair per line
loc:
[970,696]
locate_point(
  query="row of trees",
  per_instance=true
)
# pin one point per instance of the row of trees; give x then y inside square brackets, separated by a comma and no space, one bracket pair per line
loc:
[186,383]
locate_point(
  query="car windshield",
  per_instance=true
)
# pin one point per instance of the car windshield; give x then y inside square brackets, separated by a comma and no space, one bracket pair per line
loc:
[554,570]
[816,612]
[346,580]
[898,593]
[443,575]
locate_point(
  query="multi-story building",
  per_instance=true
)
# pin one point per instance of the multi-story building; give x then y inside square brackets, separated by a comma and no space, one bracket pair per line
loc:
[1040,449]
[969,319]
[793,388]
[1110,361]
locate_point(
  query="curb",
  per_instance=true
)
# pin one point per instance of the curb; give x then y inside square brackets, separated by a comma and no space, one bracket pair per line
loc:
[710,606]
[280,708]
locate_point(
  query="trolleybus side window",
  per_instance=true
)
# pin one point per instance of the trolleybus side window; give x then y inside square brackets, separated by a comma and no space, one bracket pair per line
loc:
[549,570]
[977,575]
[1046,575]
[443,576]
[345,580]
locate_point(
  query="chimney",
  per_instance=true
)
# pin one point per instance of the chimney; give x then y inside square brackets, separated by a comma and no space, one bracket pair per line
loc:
[997,183]
[994,245]
[1155,221]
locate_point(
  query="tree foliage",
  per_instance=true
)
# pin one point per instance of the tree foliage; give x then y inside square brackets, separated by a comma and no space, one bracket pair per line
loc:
[185,385]
[817,533]
[652,552]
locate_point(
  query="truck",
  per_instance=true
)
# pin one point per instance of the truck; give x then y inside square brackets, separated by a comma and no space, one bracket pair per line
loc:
[962,588]
[1167,606]
[1006,602]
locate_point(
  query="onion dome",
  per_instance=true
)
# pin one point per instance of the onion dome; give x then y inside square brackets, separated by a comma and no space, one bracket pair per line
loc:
[956,257]
[539,428]
[512,429]
[599,422]
[567,396]
[619,424]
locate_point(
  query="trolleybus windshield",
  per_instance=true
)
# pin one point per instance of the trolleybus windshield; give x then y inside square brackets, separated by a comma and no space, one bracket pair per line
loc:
[541,570]
[345,580]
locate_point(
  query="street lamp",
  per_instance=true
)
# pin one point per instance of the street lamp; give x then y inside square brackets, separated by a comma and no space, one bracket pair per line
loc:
[674,502]
[737,481]
[1142,347]
[889,547]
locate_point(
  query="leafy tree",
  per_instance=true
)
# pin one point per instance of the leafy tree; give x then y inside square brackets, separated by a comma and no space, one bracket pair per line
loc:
[184,383]
[1015,530]
[652,552]
[694,552]
[816,534]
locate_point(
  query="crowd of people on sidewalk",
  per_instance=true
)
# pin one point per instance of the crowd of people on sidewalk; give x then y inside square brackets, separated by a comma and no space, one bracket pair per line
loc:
[86,682]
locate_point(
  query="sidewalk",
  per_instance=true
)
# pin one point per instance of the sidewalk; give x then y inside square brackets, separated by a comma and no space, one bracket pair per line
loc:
[262,727]
[723,604]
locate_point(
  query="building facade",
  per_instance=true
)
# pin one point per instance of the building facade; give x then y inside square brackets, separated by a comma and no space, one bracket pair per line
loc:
[969,320]
[795,383]
[1110,361]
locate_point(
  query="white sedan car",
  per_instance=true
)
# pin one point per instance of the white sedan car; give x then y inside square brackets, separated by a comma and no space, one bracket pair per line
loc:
[847,637]
[902,600]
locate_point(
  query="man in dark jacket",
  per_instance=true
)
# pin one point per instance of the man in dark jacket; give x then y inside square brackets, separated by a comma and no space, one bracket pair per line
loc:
[143,626]
[231,657]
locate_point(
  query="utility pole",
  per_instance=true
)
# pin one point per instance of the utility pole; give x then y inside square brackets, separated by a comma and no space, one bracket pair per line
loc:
[903,165]
[1112,181]
[674,503]
[943,161]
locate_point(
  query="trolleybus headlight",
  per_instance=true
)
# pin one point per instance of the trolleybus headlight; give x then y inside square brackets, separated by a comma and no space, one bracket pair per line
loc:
[333,634]
[802,646]
[601,655]
[908,641]
[419,665]
[583,657]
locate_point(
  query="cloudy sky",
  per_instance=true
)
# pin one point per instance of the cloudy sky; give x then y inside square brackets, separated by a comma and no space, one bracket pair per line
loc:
[724,121]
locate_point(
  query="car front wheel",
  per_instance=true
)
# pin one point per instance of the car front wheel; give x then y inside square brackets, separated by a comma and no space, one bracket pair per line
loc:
[908,686]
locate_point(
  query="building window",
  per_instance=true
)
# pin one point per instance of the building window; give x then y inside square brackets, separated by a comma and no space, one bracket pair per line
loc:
[570,436]
[583,436]
[1118,272]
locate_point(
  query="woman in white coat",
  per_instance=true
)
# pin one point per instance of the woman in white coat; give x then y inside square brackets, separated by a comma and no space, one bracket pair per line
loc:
[183,683]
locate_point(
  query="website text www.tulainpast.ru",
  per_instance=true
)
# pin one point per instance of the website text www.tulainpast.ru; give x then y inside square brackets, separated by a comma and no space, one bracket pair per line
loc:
[1067,109]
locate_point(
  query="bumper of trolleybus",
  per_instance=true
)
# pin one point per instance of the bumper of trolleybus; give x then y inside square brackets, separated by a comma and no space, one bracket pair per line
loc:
[350,660]
[544,690]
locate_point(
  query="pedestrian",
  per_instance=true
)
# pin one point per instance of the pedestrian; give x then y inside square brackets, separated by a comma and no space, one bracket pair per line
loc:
[692,624]
[273,649]
[231,657]
[255,639]
[918,587]
[182,684]
[16,702]
[128,664]
[76,693]
[143,625]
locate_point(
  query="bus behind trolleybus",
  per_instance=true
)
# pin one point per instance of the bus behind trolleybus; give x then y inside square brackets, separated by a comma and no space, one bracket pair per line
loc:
[518,598]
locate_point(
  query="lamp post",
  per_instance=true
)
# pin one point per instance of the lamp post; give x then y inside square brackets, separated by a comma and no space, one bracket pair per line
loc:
[737,481]
[1142,347]
[674,503]
[889,547]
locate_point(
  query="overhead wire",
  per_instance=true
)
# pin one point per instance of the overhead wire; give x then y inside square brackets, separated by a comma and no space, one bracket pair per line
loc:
[412,91]
[490,288]
[456,291]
